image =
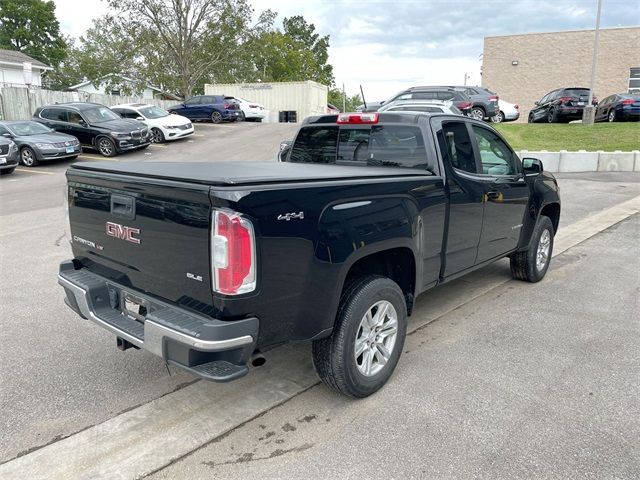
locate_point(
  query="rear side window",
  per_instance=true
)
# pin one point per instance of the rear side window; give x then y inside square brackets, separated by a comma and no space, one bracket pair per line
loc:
[315,145]
[56,114]
[456,147]
[193,101]
[378,145]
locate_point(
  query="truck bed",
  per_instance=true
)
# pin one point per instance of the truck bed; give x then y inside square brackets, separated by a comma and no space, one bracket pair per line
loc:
[245,173]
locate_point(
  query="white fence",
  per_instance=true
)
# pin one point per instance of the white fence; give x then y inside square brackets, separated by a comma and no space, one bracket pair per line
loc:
[18,103]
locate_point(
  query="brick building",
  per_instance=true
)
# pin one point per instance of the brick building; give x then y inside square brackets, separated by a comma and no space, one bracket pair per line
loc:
[523,68]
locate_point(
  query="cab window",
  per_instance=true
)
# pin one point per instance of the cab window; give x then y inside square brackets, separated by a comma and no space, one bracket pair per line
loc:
[495,156]
[456,147]
[193,101]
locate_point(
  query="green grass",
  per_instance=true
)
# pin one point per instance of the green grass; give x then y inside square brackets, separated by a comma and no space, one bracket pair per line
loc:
[572,136]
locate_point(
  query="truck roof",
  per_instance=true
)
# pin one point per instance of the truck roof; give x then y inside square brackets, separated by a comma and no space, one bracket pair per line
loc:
[244,173]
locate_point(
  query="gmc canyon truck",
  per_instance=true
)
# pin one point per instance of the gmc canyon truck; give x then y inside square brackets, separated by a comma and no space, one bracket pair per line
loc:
[207,265]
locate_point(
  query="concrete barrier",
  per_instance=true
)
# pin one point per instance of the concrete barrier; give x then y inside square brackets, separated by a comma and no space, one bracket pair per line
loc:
[583,161]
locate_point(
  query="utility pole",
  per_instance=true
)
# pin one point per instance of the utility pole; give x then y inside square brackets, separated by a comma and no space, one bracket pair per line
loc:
[466,77]
[588,113]
[344,99]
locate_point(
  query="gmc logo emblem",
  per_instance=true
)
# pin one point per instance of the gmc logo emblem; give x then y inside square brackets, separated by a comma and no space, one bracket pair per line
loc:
[122,232]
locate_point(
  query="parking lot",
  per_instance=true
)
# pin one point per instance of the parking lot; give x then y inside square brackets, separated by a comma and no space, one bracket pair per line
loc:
[502,378]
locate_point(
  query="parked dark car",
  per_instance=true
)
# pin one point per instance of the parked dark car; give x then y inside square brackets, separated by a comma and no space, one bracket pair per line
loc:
[95,126]
[216,108]
[561,105]
[485,102]
[8,156]
[619,108]
[459,99]
[38,143]
[331,246]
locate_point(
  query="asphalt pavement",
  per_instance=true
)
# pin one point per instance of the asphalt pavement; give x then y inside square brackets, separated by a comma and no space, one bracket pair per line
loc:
[61,375]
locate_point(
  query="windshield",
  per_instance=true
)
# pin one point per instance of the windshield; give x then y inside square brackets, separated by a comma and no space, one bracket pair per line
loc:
[20,129]
[153,112]
[100,114]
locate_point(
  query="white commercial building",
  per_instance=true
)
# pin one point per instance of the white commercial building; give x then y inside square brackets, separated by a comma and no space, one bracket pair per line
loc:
[286,101]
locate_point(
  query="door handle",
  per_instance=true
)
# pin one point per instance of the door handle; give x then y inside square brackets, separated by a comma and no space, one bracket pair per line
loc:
[493,194]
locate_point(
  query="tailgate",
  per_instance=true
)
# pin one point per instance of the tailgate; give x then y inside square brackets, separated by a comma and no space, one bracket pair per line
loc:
[149,234]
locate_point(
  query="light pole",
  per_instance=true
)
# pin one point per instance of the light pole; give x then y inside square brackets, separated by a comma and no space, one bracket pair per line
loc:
[588,114]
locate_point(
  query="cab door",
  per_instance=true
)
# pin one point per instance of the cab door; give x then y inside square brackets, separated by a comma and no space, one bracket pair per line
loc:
[79,128]
[505,194]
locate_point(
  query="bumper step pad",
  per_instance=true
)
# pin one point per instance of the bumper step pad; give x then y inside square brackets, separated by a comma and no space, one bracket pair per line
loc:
[217,371]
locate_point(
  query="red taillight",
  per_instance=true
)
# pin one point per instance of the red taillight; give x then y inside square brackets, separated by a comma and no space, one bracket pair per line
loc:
[516,106]
[233,254]
[358,118]
[254,106]
[629,101]
[494,98]
[464,105]
[227,106]
[564,99]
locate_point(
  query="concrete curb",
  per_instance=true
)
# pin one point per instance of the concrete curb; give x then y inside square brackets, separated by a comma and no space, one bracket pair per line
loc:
[583,161]
[152,436]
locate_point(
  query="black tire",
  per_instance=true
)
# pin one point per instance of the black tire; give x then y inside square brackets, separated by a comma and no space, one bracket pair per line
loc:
[611,116]
[530,119]
[478,113]
[551,116]
[498,117]
[216,117]
[334,357]
[156,136]
[106,147]
[28,157]
[524,264]
[72,157]
[7,171]
[242,117]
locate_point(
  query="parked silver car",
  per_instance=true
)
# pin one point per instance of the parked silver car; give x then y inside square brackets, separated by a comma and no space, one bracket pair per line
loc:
[430,106]
[8,156]
[38,143]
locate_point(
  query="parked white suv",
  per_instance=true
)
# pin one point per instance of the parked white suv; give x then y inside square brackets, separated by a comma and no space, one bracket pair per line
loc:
[163,126]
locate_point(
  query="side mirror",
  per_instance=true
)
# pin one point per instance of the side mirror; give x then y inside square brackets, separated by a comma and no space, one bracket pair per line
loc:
[82,123]
[536,103]
[532,167]
[285,147]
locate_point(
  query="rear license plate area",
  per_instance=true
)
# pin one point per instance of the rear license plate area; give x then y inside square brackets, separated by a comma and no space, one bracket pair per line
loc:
[134,307]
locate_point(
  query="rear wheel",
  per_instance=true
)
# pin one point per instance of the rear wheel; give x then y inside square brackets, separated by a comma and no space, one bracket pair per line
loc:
[498,117]
[106,147]
[367,340]
[612,116]
[477,113]
[156,136]
[28,157]
[216,117]
[551,116]
[532,264]
[242,117]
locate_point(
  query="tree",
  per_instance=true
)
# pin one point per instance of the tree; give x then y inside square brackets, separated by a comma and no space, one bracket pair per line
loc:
[31,27]
[192,39]
[335,97]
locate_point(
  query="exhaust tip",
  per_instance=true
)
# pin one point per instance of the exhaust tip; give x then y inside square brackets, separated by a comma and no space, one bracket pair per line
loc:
[257,360]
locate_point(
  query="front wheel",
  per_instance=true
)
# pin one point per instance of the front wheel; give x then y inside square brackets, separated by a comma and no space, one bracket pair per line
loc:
[367,340]
[106,147]
[28,157]
[532,264]
[530,118]
[156,136]
[7,171]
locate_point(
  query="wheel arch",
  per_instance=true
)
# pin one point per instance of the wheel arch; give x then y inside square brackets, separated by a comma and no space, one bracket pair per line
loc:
[552,210]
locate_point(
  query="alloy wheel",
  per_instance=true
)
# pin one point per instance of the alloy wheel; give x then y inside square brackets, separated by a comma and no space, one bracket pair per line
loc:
[542,253]
[612,116]
[216,117]
[376,338]
[477,113]
[156,136]
[28,157]
[498,118]
[106,147]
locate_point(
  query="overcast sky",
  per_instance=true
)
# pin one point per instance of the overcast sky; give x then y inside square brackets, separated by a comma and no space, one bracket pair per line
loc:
[389,45]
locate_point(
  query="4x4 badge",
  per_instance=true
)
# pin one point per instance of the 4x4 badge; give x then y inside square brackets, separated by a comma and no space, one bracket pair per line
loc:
[291,216]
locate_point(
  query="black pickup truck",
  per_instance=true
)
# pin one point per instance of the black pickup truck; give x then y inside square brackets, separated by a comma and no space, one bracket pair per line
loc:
[208,264]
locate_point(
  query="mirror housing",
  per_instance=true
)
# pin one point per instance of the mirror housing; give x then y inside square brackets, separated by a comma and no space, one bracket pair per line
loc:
[532,167]
[285,147]
[536,103]
[82,123]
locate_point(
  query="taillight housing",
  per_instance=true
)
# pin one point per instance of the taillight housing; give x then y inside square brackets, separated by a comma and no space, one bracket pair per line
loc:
[233,253]
[516,106]
[357,118]
[464,105]
[494,98]
[564,99]
[628,101]
[227,106]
